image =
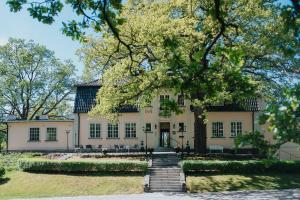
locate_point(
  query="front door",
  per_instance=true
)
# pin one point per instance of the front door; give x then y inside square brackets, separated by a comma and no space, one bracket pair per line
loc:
[164,138]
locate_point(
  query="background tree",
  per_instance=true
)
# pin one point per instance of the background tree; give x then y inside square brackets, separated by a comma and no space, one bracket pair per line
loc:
[282,116]
[32,81]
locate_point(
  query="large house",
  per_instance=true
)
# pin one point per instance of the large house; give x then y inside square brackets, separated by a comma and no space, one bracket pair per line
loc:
[136,127]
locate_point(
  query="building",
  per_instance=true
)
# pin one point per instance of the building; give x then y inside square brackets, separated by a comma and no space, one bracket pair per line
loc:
[136,127]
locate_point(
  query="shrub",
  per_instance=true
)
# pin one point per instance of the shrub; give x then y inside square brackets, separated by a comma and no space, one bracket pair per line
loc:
[240,167]
[2,171]
[71,166]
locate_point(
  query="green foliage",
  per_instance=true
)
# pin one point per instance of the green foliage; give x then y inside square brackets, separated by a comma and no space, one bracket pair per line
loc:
[282,116]
[157,51]
[90,13]
[241,167]
[255,139]
[10,161]
[33,81]
[69,166]
[2,171]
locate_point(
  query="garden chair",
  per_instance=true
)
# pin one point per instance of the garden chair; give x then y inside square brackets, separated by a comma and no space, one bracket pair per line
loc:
[88,147]
[78,148]
[122,148]
[117,148]
[99,148]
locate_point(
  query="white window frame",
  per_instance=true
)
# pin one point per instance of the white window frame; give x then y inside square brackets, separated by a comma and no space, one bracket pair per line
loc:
[93,132]
[48,138]
[218,131]
[130,130]
[236,130]
[39,134]
[112,130]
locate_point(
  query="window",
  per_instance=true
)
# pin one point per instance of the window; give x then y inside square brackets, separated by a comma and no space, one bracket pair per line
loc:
[163,99]
[236,129]
[51,134]
[180,100]
[113,131]
[148,127]
[217,129]
[95,130]
[181,127]
[34,134]
[130,130]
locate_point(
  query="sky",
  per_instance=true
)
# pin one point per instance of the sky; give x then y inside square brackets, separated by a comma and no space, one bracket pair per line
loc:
[22,25]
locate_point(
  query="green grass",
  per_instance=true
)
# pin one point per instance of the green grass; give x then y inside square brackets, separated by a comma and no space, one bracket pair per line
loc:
[216,183]
[25,185]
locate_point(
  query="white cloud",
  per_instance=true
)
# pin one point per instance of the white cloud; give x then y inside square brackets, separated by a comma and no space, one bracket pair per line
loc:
[3,41]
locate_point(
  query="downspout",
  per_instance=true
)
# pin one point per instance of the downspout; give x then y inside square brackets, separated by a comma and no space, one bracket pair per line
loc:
[78,131]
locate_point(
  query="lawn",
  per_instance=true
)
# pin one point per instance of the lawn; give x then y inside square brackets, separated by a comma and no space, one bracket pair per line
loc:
[216,183]
[19,184]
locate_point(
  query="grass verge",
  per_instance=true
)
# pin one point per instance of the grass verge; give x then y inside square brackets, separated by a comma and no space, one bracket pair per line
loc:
[217,183]
[18,184]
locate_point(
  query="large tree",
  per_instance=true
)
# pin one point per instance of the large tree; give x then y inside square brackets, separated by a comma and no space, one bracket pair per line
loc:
[33,81]
[210,50]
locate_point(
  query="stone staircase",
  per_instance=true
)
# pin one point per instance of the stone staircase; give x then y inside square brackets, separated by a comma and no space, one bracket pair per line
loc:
[165,174]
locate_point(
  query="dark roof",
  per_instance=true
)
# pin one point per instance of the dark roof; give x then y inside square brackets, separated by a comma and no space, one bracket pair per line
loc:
[248,105]
[86,98]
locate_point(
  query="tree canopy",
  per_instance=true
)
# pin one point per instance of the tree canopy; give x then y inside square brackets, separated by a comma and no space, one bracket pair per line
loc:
[33,81]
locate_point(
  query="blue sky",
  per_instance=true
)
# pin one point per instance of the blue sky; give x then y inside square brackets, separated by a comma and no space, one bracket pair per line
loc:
[21,25]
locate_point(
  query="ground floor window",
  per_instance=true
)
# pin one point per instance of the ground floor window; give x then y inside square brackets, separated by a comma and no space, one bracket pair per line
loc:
[236,129]
[51,134]
[113,131]
[148,127]
[34,134]
[95,130]
[217,129]
[130,130]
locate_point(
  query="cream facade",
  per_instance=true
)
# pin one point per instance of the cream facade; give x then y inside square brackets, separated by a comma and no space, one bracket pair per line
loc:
[40,135]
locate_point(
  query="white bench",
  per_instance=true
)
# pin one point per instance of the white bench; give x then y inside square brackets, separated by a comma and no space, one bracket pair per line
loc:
[215,148]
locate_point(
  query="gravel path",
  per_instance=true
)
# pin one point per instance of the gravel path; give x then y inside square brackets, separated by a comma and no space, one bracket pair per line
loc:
[245,195]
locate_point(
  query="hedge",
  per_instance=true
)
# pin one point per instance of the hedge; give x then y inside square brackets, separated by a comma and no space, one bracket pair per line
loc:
[240,167]
[2,171]
[71,166]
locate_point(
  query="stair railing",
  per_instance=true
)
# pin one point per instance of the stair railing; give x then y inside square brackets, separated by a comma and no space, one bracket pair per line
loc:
[289,154]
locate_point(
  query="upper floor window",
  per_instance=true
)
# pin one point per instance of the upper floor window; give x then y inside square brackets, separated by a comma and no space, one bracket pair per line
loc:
[148,127]
[163,99]
[34,134]
[51,134]
[95,130]
[180,100]
[217,129]
[236,129]
[113,130]
[130,130]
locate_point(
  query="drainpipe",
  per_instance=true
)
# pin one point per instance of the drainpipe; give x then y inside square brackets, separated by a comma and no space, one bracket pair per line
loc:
[78,131]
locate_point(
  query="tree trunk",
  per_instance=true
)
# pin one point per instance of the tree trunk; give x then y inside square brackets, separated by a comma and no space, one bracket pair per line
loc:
[200,140]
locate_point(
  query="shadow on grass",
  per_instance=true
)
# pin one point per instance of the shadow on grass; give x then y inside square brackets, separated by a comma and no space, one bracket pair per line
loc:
[4,180]
[245,182]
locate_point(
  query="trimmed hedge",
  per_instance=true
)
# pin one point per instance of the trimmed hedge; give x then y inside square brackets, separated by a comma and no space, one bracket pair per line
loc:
[240,167]
[72,166]
[2,171]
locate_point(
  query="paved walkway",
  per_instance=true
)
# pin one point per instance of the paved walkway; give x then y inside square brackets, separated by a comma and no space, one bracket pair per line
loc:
[244,195]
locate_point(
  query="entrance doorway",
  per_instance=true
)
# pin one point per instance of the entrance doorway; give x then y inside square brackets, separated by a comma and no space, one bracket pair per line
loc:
[165,134]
